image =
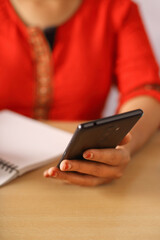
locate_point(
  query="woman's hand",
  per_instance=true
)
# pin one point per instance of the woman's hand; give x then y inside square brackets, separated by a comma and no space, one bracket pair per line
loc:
[101,166]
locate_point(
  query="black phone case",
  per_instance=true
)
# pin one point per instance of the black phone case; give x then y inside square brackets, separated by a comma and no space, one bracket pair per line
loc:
[102,133]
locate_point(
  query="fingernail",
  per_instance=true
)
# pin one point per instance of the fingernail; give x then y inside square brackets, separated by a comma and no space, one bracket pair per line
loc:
[45,174]
[65,166]
[52,172]
[88,155]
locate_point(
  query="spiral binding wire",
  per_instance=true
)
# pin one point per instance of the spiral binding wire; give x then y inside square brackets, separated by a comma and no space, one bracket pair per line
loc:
[7,166]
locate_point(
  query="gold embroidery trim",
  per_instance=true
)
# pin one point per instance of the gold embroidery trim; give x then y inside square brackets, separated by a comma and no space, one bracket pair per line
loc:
[43,72]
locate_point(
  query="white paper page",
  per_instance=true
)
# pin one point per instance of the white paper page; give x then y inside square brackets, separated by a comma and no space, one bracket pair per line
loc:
[28,143]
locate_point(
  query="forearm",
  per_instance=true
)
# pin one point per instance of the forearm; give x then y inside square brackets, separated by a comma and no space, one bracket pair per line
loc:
[148,124]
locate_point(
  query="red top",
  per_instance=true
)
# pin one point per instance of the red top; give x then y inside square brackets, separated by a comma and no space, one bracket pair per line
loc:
[103,43]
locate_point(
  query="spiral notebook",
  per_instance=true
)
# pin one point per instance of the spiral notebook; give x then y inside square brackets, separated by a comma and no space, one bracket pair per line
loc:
[26,144]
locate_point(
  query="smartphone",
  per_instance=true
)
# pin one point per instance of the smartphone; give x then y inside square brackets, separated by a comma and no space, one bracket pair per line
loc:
[101,133]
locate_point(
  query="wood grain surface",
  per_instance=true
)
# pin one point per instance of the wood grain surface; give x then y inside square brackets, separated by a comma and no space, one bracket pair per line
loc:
[35,208]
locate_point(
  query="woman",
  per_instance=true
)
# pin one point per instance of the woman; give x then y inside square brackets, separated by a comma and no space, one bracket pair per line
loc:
[58,61]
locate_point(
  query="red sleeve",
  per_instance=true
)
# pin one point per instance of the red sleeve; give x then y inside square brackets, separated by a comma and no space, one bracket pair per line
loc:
[135,65]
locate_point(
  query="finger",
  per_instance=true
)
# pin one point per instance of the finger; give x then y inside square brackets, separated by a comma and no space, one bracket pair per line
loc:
[91,168]
[126,139]
[112,157]
[75,178]
[51,171]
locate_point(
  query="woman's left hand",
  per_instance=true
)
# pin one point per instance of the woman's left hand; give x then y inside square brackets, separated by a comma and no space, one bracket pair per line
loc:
[101,166]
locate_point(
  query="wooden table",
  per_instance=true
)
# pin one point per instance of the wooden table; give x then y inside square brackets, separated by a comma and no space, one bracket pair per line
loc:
[35,208]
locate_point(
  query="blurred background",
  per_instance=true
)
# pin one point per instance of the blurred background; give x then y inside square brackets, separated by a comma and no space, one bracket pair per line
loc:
[150,12]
